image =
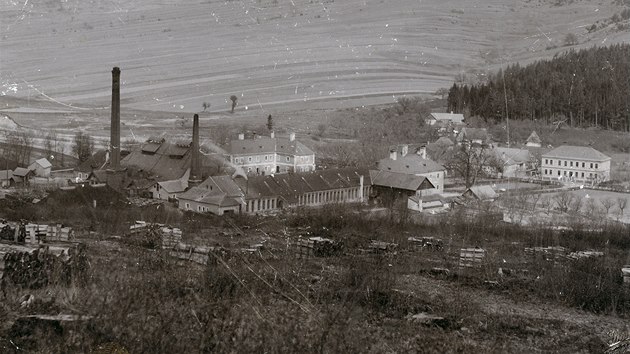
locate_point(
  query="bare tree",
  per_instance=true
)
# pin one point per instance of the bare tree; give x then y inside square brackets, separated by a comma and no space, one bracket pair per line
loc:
[234,99]
[621,204]
[205,106]
[576,203]
[83,146]
[546,204]
[27,145]
[563,201]
[270,123]
[607,203]
[469,161]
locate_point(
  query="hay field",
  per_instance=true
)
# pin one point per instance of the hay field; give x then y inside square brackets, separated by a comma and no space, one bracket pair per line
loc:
[175,55]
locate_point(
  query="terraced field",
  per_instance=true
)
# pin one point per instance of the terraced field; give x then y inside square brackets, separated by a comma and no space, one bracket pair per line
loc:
[175,55]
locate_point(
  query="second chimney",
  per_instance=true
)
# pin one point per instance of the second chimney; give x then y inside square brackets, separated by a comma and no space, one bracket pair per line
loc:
[114,141]
[272,134]
[392,154]
[195,164]
[292,137]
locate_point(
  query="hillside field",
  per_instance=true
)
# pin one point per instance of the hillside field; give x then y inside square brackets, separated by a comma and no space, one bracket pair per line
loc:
[176,55]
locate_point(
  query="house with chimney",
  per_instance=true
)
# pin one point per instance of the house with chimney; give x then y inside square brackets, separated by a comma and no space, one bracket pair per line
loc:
[415,164]
[264,155]
[169,190]
[511,162]
[218,195]
[579,164]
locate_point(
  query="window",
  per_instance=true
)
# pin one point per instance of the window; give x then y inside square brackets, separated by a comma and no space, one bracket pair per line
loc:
[565,164]
[249,159]
[558,172]
[583,164]
[591,165]
[266,157]
[551,162]
[571,163]
[545,171]
[596,165]
[187,206]
[558,162]
[257,158]
[249,169]
[582,174]
[546,162]
[287,158]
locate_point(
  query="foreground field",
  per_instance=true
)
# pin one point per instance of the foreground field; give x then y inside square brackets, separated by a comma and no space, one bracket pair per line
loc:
[176,55]
[402,300]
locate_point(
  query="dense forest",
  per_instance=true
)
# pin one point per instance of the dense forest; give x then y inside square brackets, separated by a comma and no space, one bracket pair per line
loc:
[589,87]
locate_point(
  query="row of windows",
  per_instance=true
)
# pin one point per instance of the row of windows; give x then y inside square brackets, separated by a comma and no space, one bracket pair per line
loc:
[264,204]
[252,159]
[568,173]
[577,164]
[331,196]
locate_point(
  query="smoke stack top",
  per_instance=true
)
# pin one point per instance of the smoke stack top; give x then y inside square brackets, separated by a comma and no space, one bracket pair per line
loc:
[114,141]
[195,168]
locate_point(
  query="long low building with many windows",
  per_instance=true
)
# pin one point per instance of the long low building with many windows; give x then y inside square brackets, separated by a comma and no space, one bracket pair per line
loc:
[270,193]
[581,164]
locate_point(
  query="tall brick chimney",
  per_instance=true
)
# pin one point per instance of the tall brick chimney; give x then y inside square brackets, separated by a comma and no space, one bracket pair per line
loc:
[114,141]
[195,164]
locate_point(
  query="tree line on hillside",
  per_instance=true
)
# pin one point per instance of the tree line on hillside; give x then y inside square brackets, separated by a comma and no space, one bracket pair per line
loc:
[589,87]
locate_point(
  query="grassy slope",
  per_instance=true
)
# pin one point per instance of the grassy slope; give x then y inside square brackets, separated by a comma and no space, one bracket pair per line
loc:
[175,56]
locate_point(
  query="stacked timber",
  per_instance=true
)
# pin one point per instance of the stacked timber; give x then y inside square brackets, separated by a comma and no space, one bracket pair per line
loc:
[626,274]
[471,257]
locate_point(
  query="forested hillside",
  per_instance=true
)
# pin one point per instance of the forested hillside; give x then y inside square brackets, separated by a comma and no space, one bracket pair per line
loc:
[589,87]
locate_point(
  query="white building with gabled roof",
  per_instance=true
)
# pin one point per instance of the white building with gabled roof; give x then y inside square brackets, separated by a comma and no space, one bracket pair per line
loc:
[582,164]
[265,155]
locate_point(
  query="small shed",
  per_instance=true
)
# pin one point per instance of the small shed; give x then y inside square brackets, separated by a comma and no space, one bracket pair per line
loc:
[41,167]
[483,193]
[22,175]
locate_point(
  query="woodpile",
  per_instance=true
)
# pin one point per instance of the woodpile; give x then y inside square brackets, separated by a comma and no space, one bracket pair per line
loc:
[380,247]
[426,243]
[554,253]
[33,268]
[471,257]
[317,247]
[625,271]
[154,235]
[34,233]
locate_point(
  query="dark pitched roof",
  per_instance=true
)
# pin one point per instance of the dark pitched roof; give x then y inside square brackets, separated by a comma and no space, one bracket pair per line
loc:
[263,144]
[399,180]
[21,172]
[512,156]
[410,163]
[96,161]
[290,186]
[577,153]
[164,161]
